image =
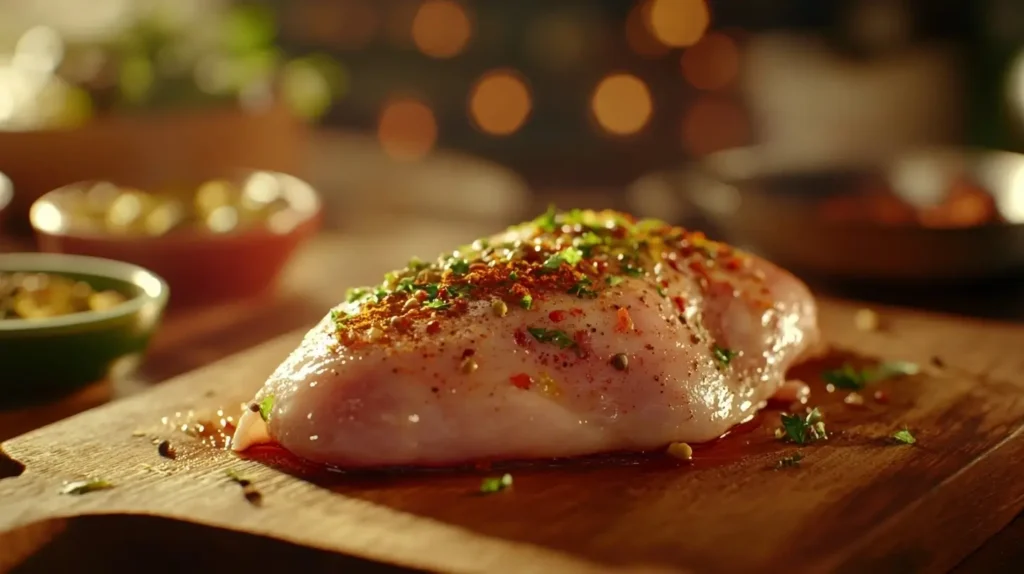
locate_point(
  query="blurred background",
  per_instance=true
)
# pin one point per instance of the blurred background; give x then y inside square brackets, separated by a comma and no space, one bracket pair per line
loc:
[740,116]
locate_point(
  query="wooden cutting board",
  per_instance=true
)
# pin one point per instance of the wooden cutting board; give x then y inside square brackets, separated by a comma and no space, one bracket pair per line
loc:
[856,503]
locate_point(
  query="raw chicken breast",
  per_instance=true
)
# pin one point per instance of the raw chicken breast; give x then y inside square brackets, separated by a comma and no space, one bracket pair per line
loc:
[580,332]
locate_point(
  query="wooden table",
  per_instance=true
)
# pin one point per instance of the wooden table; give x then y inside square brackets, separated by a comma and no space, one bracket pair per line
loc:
[316,279]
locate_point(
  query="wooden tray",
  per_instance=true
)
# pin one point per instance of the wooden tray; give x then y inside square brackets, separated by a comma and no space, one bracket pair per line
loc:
[857,502]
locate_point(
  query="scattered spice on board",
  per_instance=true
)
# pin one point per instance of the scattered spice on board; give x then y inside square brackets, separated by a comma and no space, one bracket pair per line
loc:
[903,436]
[491,485]
[80,487]
[681,450]
[790,461]
[166,450]
[251,493]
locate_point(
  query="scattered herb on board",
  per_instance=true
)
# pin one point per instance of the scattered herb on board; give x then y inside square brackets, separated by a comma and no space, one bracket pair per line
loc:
[251,493]
[166,450]
[459,266]
[526,302]
[903,436]
[802,429]
[553,336]
[613,280]
[266,405]
[723,356]
[849,378]
[582,289]
[790,461]
[494,484]
[79,487]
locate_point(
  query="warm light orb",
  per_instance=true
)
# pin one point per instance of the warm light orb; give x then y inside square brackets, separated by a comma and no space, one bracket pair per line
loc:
[406,129]
[441,28]
[678,23]
[638,32]
[711,64]
[499,102]
[622,104]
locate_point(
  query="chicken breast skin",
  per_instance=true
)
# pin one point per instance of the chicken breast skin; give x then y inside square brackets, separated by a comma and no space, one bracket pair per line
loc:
[577,333]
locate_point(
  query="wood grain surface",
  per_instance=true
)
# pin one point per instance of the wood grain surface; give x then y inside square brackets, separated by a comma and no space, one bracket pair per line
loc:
[856,503]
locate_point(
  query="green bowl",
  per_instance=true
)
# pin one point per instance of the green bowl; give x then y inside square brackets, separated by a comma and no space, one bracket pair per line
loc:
[53,356]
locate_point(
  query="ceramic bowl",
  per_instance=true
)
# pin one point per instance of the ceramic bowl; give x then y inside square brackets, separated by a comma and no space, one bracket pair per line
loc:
[202,267]
[803,218]
[41,357]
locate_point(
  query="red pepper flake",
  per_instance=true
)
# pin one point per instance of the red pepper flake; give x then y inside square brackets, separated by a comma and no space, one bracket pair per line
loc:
[433,328]
[576,312]
[522,381]
[733,263]
[881,396]
[623,322]
[557,316]
[680,303]
[697,266]
[519,336]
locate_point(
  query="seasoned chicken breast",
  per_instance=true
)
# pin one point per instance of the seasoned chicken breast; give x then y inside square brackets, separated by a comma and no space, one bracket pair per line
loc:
[577,333]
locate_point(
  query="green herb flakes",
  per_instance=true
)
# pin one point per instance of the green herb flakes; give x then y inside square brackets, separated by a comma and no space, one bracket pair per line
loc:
[526,302]
[266,405]
[613,280]
[80,487]
[582,289]
[570,256]
[553,336]
[459,266]
[849,378]
[723,356]
[903,436]
[802,429]
[496,484]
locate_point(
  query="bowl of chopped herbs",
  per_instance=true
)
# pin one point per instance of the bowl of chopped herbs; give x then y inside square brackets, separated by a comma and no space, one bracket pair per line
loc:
[67,321]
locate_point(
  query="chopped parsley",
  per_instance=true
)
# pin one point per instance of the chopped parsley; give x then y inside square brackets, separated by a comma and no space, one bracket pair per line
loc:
[723,356]
[436,304]
[632,270]
[265,407]
[587,242]
[553,336]
[903,436]
[459,266]
[789,461]
[495,484]
[582,289]
[570,256]
[355,294]
[79,487]
[802,430]
[849,378]
[513,276]
[547,220]
[526,302]
[613,280]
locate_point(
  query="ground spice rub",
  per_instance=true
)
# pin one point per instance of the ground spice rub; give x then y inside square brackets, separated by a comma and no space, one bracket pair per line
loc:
[580,252]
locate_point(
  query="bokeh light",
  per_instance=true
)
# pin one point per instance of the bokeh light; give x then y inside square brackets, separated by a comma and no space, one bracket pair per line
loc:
[622,104]
[638,32]
[713,124]
[711,64]
[407,129]
[499,102]
[678,23]
[441,28]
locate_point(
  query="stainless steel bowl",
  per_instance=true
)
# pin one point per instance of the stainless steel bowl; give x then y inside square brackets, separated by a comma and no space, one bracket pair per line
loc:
[776,210]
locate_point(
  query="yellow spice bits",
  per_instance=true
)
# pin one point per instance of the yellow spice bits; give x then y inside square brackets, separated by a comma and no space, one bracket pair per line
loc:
[680,450]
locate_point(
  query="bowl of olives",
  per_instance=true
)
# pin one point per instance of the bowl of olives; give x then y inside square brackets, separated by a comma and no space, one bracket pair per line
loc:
[68,320]
[220,240]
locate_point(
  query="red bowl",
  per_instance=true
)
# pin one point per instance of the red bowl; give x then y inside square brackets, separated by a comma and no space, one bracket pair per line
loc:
[201,267]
